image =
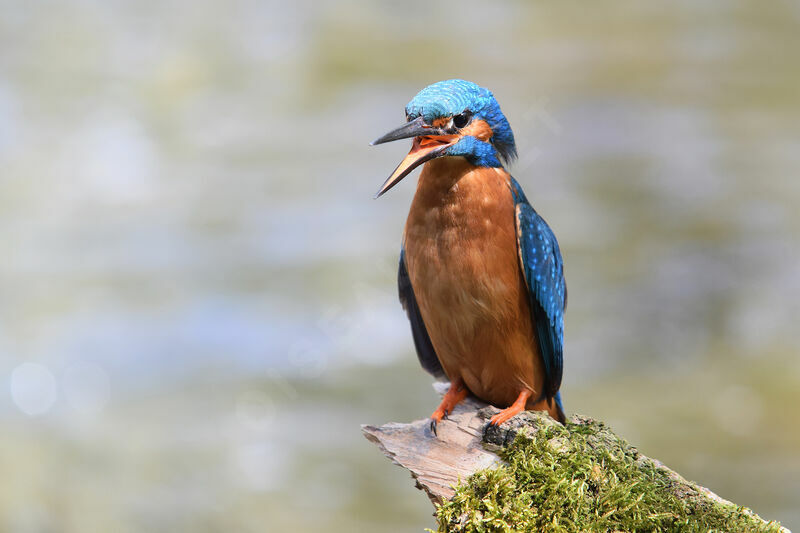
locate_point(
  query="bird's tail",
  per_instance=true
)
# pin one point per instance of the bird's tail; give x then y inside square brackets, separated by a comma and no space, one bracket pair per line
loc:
[562,417]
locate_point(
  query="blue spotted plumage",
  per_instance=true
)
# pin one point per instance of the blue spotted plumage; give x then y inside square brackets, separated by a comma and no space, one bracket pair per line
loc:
[543,268]
[480,274]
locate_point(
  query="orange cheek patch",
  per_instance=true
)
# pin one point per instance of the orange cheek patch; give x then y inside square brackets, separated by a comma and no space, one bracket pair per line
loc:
[479,129]
[441,122]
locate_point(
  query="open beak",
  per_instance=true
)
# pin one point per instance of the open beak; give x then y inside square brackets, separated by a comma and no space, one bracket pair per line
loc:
[429,143]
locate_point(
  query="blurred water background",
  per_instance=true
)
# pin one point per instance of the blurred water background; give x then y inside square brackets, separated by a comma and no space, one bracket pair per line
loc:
[197,291]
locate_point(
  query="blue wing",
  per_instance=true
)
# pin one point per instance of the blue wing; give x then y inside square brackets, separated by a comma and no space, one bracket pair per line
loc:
[540,259]
[422,342]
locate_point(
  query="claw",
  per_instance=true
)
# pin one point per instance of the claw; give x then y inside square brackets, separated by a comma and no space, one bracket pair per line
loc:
[455,394]
[510,412]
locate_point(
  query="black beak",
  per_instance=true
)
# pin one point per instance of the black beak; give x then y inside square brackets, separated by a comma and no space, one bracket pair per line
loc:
[415,128]
[429,142]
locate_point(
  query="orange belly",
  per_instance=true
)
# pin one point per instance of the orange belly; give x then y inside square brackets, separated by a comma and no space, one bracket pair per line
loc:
[461,255]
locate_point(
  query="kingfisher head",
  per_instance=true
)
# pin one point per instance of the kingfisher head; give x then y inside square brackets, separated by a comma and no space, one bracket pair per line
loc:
[452,118]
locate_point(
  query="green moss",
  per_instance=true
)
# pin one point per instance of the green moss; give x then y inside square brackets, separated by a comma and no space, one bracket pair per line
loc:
[583,477]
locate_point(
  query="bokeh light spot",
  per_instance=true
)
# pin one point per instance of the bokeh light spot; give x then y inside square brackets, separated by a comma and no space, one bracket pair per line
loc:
[33,388]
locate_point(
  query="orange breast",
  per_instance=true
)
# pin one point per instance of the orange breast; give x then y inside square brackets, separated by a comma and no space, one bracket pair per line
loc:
[461,255]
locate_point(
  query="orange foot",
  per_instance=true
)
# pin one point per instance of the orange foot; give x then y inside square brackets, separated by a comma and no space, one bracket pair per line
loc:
[516,408]
[455,394]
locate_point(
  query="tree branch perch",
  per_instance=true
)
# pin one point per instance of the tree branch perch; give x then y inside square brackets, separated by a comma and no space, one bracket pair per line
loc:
[532,474]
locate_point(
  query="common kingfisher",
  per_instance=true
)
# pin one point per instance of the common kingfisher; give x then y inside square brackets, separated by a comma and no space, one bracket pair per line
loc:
[481,276]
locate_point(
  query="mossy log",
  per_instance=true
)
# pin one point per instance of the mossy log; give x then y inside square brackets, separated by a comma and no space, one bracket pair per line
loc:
[533,474]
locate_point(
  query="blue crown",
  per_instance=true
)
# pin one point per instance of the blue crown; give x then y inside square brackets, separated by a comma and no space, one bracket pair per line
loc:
[452,97]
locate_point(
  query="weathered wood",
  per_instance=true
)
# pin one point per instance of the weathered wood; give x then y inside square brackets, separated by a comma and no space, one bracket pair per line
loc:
[465,444]
[438,462]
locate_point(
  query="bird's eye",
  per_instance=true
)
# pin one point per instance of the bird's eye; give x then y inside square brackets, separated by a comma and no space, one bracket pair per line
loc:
[462,119]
